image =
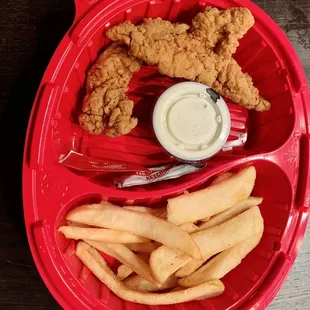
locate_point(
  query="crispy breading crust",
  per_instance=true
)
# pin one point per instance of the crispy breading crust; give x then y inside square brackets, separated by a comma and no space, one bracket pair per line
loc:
[105,107]
[202,52]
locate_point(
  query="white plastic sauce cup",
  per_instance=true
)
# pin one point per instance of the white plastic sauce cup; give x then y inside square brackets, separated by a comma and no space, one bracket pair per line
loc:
[191,121]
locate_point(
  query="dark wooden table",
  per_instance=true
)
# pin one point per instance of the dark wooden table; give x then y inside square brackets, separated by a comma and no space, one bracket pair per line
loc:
[30,31]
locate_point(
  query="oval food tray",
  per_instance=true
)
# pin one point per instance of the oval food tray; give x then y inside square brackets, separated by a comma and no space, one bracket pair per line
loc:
[278,145]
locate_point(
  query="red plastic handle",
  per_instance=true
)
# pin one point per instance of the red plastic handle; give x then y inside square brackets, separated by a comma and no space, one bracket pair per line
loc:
[82,7]
[306,103]
[303,190]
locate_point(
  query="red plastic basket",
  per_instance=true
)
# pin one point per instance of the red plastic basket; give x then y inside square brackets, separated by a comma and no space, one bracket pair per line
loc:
[278,146]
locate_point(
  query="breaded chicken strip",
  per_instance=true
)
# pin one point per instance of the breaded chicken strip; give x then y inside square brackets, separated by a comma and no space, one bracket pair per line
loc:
[202,52]
[220,30]
[105,107]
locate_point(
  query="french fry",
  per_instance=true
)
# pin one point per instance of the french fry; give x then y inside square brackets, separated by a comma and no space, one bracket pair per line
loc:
[165,261]
[224,236]
[213,199]
[190,267]
[211,241]
[206,219]
[70,223]
[139,284]
[155,212]
[223,177]
[189,227]
[146,225]
[140,209]
[222,264]
[97,265]
[147,247]
[124,271]
[230,213]
[101,234]
[126,257]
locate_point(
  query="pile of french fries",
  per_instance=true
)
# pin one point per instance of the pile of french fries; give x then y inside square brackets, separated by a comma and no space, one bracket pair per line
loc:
[174,254]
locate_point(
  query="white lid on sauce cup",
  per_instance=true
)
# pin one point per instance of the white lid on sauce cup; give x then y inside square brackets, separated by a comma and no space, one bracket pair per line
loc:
[191,121]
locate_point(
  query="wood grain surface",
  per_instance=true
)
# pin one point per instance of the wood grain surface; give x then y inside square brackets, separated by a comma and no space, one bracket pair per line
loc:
[30,31]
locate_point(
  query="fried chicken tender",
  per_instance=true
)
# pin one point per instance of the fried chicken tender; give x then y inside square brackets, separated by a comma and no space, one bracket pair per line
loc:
[201,52]
[105,107]
[221,30]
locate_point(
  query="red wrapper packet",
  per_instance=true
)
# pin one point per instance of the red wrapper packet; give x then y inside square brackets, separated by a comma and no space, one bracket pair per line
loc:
[156,174]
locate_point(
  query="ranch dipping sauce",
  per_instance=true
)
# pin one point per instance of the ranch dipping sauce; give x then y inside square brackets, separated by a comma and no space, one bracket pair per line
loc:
[191,121]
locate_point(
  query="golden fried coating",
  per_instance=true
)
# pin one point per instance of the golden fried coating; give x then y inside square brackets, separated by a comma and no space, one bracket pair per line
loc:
[202,52]
[220,30]
[105,107]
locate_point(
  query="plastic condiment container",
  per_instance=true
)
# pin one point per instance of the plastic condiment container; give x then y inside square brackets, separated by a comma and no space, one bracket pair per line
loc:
[191,121]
